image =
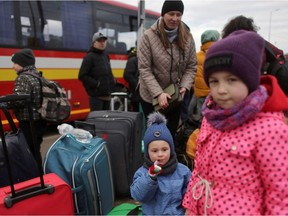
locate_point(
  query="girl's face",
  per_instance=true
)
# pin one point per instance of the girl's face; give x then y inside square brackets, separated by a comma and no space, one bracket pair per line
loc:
[159,150]
[17,67]
[227,89]
[172,19]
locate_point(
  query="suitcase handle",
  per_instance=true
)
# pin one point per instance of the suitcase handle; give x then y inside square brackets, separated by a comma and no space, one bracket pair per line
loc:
[33,191]
[15,97]
[10,120]
[10,200]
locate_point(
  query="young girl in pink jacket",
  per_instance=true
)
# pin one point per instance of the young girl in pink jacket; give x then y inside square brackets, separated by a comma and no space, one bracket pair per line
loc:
[241,160]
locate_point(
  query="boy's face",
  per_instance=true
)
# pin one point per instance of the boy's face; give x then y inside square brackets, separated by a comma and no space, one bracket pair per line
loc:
[227,89]
[100,44]
[17,67]
[159,150]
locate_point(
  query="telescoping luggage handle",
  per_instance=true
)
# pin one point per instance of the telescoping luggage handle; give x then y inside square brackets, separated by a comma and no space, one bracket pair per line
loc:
[15,197]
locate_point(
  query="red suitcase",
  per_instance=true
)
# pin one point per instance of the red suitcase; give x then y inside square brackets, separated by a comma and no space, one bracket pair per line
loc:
[44,195]
[57,203]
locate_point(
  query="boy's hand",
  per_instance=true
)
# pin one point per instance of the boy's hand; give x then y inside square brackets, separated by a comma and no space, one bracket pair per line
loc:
[155,170]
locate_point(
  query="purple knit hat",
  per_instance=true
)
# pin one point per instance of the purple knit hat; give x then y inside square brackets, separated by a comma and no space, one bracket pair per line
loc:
[240,53]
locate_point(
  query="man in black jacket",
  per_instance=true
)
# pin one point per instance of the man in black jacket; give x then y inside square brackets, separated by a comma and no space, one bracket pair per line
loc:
[96,74]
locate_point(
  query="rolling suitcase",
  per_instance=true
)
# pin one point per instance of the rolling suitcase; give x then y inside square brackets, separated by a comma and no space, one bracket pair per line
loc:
[86,168]
[20,156]
[123,133]
[43,195]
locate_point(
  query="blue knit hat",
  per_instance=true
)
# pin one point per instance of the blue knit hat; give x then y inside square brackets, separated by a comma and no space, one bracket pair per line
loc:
[157,130]
[241,54]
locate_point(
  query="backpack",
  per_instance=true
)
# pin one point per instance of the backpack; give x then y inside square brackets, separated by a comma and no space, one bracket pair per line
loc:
[55,106]
[192,144]
[278,67]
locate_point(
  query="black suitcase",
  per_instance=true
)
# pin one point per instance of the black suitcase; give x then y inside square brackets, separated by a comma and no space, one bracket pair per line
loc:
[22,161]
[123,133]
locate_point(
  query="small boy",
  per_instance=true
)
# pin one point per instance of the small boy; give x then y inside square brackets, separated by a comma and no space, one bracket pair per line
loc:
[24,61]
[161,182]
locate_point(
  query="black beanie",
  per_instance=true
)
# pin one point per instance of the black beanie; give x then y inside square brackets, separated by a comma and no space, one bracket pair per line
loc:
[172,6]
[24,57]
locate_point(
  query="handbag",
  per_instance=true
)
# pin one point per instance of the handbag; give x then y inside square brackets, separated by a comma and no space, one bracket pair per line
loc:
[22,161]
[176,98]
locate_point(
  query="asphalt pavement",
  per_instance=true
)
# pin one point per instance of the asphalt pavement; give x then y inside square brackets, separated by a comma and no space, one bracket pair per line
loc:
[50,137]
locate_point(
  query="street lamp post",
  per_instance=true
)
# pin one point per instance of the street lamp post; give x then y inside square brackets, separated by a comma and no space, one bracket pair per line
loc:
[271,12]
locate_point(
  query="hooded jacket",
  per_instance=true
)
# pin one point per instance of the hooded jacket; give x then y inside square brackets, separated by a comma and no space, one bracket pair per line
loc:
[159,67]
[27,84]
[163,196]
[96,73]
[200,87]
[245,167]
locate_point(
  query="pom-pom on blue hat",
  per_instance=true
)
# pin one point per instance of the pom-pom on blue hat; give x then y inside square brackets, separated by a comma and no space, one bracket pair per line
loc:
[157,130]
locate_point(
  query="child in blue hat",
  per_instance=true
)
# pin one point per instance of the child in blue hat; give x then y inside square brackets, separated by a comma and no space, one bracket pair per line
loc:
[161,182]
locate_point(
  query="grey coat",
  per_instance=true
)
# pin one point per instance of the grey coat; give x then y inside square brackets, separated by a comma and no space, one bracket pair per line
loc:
[159,67]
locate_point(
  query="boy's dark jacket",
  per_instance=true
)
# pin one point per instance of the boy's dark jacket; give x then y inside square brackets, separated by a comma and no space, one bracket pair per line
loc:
[96,73]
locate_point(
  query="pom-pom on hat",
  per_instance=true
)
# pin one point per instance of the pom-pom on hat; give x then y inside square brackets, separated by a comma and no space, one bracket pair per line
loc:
[157,130]
[24,57]
[241,54]
[97,36]
[168,6]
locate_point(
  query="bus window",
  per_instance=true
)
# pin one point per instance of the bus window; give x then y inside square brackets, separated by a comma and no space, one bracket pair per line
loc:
[77,24]
[66,26]
[53,33]
[7,20]
[26,26]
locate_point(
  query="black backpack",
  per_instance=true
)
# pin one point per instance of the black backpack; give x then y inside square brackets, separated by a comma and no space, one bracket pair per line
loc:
[278,67]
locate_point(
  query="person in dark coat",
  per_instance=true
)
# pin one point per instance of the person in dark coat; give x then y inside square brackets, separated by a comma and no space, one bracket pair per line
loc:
[96,74]
[24,61]
[131,75]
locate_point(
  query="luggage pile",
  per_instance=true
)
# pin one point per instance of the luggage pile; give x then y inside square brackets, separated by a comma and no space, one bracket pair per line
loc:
[102,168]
[24,188]
[86,167]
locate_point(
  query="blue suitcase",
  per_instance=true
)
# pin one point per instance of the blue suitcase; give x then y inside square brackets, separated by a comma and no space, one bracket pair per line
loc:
[86,168]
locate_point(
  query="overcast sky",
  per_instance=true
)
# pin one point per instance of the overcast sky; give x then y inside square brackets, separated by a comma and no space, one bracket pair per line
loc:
[201,15]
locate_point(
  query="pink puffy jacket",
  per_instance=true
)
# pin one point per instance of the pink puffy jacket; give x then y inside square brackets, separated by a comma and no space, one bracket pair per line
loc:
[243,171]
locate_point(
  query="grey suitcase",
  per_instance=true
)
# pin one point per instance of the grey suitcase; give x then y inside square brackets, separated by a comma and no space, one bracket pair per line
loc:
[123,133]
